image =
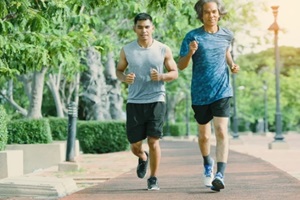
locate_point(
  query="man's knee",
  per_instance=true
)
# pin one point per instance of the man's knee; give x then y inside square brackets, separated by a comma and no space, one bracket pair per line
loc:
[221,132]
[153,142]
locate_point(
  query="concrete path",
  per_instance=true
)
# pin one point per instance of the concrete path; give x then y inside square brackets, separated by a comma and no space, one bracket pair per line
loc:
[253,172]
[247,177]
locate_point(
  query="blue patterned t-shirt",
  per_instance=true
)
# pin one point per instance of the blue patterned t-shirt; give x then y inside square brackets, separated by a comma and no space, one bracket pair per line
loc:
[210,79]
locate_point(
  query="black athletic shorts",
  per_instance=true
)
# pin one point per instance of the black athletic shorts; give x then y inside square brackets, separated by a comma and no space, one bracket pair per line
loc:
[144,120]
[205,113]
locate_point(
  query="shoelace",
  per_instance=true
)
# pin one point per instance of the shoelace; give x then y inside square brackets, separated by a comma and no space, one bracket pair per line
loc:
[152,180]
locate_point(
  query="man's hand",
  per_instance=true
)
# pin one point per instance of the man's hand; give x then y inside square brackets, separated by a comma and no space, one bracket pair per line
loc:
[235,68]
[193,46]
[155,76]
[129,79]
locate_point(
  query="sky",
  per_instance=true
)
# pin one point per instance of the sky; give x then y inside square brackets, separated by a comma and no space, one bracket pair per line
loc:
[288,20]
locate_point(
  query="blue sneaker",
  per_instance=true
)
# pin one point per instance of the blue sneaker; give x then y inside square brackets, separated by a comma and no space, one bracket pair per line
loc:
[218,182]
[208,174]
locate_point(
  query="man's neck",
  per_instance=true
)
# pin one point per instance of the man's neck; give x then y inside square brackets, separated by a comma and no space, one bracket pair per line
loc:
[145,43]
[211,29]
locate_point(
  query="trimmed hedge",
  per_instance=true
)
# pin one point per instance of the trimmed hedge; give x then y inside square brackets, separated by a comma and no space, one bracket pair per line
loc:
[179,129]
[102,137]
[29,131]
[3,128]
[59,128]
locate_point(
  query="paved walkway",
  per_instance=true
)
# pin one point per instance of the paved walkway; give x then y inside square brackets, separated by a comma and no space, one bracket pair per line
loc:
[253,172]
[247,177]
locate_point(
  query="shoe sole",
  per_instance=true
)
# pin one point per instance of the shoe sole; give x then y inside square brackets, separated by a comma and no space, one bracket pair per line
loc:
[153,189]
[217,185]
[206,184]
[142,177]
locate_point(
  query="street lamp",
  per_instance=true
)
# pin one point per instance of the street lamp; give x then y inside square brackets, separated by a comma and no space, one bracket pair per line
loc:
[265,88]
[235,133]
[72,113]
[187,113]
[274,27]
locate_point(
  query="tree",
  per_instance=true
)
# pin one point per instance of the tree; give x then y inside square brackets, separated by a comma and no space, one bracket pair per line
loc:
[49,40]
[35,41]
[259,68]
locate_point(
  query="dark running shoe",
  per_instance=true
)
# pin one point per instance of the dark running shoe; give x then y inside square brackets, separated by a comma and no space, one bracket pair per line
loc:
[152,183]
[141,170]
[218,182]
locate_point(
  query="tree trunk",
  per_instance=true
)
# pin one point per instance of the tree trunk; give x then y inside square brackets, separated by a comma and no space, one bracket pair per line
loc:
[35,107]
[94,98]
[173,100]
[53,84]
[8,96]
[115,97]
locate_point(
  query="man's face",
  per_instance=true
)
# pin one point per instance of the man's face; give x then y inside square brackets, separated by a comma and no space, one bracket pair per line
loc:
[210,14]
[143,29]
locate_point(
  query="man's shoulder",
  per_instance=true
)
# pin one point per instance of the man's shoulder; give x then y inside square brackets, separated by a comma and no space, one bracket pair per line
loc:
[160,43]
[130,45]
[195,31]
[226,31]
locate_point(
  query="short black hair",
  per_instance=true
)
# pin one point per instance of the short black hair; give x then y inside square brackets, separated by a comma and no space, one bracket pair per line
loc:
[142,16]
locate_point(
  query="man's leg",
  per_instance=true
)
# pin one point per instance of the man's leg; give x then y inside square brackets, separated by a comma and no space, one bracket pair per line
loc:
[222,148]
[204,139]
[137,149]
[155,156]
[204,146]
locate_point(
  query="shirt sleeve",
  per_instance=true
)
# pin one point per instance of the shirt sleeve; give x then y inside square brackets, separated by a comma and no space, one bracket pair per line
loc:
[184,49]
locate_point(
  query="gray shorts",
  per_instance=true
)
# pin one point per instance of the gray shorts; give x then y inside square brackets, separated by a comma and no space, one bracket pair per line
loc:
[205,113]
[144,120]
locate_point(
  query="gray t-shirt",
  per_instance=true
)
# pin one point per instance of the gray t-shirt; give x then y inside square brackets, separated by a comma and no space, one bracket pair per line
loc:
[141,61]
[210,80]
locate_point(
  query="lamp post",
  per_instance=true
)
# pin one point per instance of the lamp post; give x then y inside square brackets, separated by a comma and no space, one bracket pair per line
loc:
[265,88]
[235,133]
[274,27]
[72,113]
[167,116]
[187,113]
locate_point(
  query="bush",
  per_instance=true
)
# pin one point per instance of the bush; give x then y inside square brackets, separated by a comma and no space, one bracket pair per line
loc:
[59,128]
[179,129]
[3,128]
[102,137]
[29,131]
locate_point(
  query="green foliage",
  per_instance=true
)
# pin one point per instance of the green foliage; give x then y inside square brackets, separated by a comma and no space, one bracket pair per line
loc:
[180,129]
[55,34]
[258,69]
[4,71]
[290,99]
[102,137]
[59,128]
[164,4]
[3,128]
[37,34]
[28,131]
